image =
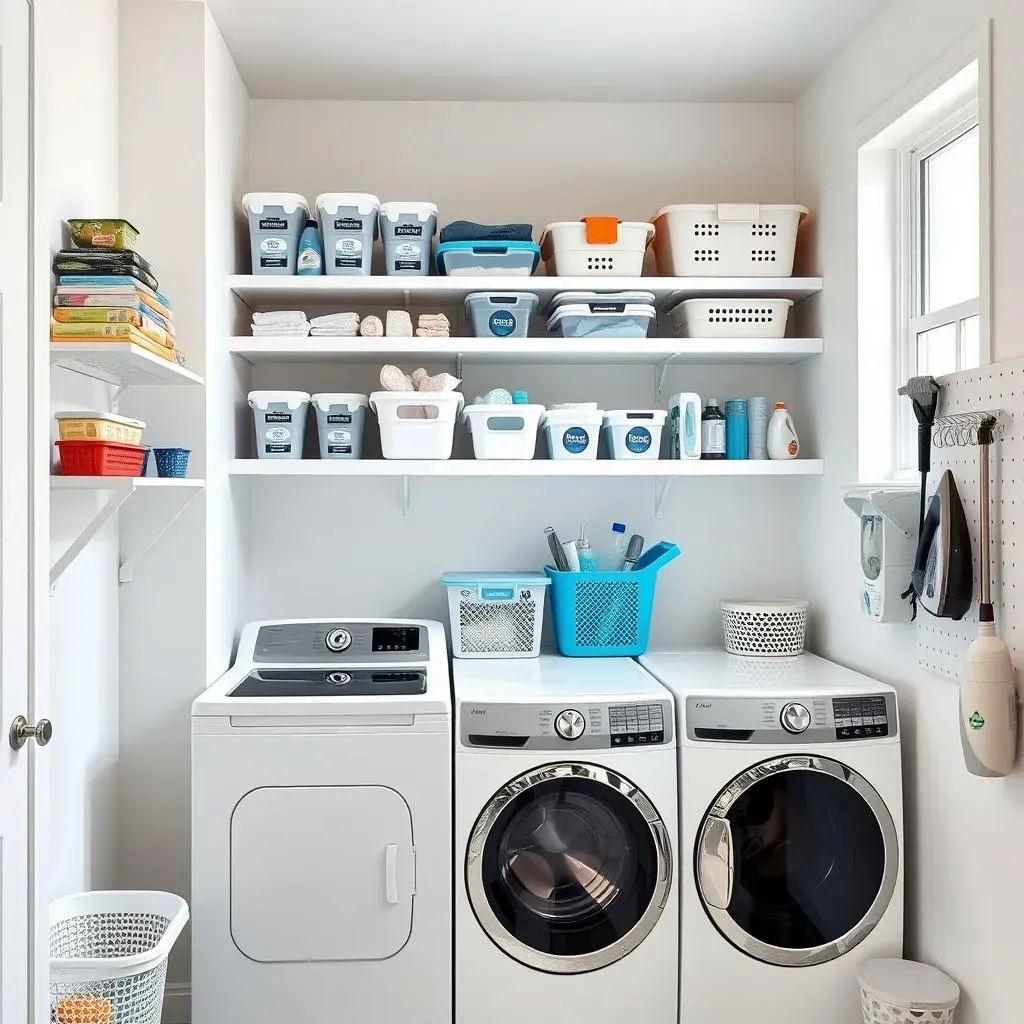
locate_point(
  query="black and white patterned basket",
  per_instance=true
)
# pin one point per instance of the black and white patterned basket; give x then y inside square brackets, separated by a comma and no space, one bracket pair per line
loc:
[764,629]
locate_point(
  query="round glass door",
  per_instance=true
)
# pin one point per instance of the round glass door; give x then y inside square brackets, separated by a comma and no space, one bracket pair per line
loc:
[797,860]
[568,868]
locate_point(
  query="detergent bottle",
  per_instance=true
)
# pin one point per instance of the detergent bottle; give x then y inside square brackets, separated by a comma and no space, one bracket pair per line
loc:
[782,440]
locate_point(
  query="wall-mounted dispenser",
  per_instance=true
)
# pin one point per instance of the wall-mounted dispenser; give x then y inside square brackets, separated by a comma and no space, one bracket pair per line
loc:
[888,543]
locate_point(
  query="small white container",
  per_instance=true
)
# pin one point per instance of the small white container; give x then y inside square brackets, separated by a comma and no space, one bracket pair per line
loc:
[634,433]
[602,246]
[764,629]
[728,239]
[730,318]
[602,320]
[280,421]
[417,424]
[783,443]
[496,614]
[572,433]
[503,431]
[905,992]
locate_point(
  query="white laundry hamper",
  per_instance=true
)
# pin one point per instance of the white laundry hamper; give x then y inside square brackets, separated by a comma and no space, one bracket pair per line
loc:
[905,992]
[108,955]
[764,629]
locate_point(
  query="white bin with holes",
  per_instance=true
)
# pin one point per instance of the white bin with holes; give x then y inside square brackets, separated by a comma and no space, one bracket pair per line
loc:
[730,318]
[503,431]
[602,246]
[417,424]
[906,992]
[727,240]
[764,629]
[108,955]
[496,614]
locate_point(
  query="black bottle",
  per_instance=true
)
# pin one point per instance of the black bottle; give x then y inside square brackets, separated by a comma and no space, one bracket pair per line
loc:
[712,431]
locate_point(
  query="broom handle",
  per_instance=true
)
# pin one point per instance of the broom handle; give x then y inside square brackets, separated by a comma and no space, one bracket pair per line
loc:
[984,440]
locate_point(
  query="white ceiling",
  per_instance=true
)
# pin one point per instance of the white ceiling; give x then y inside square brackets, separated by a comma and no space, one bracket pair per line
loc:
[632,50]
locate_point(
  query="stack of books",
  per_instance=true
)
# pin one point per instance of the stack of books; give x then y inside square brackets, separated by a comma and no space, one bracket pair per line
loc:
[111,295]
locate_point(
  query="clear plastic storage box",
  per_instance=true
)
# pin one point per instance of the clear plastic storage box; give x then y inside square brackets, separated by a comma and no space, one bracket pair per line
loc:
[496,614]
[466,258]
[505,315]
[602,319]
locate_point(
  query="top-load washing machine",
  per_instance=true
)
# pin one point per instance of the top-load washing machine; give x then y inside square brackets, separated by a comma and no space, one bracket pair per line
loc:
[565,832]
[321,827]
[791,834]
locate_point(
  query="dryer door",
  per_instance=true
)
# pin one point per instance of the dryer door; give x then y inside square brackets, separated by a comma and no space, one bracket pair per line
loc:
[568,868]
[797,860]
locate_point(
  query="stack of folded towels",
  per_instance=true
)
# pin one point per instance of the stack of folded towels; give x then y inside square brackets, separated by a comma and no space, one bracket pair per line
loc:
[398,324]
[287,323]
[433,325]
[335,325]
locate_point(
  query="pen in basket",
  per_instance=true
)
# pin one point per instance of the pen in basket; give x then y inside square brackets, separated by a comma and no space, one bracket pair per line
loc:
[634,550]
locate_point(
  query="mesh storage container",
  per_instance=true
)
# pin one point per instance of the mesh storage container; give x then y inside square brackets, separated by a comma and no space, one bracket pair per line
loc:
[764,629]
[904,992]
[108,955]
[495,615]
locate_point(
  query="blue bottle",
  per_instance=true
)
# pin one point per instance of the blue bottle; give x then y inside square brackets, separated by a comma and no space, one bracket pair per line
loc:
[310,255]
[736,429]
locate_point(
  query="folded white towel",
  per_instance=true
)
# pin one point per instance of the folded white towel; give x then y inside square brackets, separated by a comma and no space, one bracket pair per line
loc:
[331,332]
[283,316]
[372,327]
[434,320]
[430,332]
[336,320]
[399,324]
[279,331]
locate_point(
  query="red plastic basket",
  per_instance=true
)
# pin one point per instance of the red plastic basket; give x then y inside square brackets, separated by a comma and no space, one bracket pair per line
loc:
[100,458]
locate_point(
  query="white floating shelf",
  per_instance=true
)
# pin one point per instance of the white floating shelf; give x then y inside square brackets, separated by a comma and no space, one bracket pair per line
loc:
[257,291]
[120,363]
[641,351]
[125,483]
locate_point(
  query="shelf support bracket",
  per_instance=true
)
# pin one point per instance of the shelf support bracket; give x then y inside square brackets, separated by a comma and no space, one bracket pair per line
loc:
[119,392]
[661,489]
[98,521]
[458,366]
[660,370]
[406,500]
[126,570]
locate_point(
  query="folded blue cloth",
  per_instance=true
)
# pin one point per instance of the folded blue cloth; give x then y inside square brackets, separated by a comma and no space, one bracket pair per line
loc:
[469,231]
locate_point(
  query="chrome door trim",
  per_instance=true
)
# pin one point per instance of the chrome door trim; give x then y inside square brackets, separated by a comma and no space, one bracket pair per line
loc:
[500,935]
[829,951]
[715,867]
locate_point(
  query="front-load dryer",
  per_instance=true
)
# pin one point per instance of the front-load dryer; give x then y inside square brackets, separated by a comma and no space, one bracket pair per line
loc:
[791,838]
[565,824]
[321,827]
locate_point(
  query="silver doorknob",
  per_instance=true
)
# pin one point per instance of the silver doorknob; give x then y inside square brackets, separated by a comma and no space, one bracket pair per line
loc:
[22,732]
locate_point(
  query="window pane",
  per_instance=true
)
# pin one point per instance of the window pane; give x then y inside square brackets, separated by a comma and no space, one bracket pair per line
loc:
[936,351]
[952,203]
[970,342]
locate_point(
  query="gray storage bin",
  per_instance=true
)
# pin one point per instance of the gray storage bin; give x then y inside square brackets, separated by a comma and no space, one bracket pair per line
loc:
[500,316]
[280,419]
[339,420]
[348,226]
[276,220]
[407,231]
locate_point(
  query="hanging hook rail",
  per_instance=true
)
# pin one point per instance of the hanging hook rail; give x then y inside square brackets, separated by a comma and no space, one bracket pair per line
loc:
[969,429]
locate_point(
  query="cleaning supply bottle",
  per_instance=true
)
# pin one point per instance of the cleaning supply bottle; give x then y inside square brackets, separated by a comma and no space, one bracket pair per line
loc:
[782,440]
[617,554]
[584,552]
[712,431]
[988,704]
[311,255]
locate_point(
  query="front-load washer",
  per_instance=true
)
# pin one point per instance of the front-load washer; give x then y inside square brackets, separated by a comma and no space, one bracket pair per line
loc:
[791,834]
[321,827]
[565,822]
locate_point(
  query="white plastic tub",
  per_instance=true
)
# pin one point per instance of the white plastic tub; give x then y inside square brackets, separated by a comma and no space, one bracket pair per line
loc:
[407,231]
[634,433]
[280,420]
[603,320]
[503,431]
[727,240]
[572,433]
[348,226]
[602,246]
[730,318]
[417,424]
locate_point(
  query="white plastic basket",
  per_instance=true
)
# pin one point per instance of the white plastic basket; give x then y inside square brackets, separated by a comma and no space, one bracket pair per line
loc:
[503,431]
[734,239]
[730,318]
[108,955]
[764,629]
[416,424]
[904,992]
[600,246]
[496,615]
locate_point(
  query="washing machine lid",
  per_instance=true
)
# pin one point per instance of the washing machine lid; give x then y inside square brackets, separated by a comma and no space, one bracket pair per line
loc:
[330,682]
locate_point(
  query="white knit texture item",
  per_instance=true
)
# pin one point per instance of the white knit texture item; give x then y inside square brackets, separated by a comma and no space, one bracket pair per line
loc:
[372,327]
[399,324]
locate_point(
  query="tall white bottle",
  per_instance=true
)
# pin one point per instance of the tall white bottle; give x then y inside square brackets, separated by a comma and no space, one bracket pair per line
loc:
[782,440]
[988,706]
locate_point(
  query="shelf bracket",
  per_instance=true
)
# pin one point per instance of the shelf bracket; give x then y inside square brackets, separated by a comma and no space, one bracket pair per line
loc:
[119,392]
[406,500]
[659,375]
[661,489]
[458,365]
[98,521]
[126,570]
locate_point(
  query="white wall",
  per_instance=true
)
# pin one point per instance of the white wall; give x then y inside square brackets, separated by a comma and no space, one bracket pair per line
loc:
[83,610]
[965,834]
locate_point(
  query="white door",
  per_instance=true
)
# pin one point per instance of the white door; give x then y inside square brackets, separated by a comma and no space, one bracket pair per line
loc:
[19,948]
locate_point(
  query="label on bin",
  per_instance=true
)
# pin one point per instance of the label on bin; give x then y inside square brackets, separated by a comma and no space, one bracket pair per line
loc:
[497,593]
[339,442]
[274,252]
[607,307]
[409,230]
[502,323]
[348,252]
[273,224]
[277,417]
[638,440]
[575,440]
[348,224]
[339,417]
[278,441]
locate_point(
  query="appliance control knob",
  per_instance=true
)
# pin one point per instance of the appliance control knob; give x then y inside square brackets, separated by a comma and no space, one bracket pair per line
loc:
[339,678]
[339,640]
[795,718]
[570,724]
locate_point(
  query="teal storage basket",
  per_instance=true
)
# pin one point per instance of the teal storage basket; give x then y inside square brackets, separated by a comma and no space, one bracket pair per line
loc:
[607,614]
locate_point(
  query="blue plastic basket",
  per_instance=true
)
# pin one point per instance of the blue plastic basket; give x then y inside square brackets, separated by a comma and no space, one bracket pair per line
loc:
[607,614]
[171,461]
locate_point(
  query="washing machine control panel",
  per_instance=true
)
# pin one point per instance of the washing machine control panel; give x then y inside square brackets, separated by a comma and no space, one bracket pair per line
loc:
[807,718]
[307,643]
[560,726]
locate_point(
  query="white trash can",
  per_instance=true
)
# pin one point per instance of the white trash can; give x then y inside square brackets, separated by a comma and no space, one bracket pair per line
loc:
[904,992]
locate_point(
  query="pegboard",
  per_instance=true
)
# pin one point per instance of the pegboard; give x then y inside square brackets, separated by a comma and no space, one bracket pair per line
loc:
[942,643]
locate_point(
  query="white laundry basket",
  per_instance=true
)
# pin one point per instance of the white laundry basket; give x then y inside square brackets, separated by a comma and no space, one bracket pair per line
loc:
[904,992]
[417,424]
[764,629]
[108,955]
[604,246]
[496,614]
[730,239]
[730,318]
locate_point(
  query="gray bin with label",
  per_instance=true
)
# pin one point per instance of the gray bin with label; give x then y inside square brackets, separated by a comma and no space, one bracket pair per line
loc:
[348,227]
[505,315]
[276,220]
[407,231]
[339,420]
[280,419]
